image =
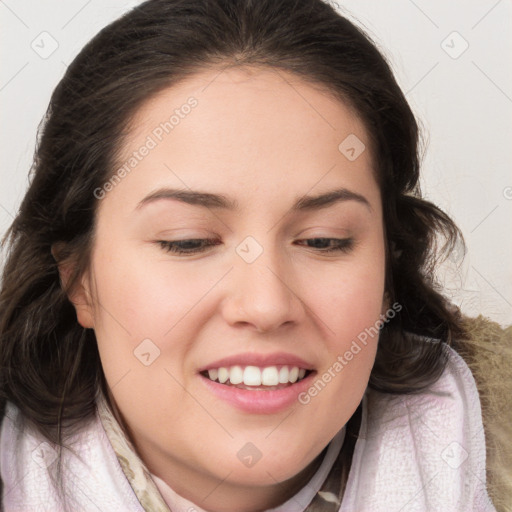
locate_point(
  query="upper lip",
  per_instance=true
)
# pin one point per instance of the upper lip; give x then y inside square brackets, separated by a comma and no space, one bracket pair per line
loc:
[260,360]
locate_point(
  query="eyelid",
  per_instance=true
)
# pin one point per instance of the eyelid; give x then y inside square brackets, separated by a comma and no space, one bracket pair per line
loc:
[340,246]
[185,233]
[201,245]
[325,232]
[168,245]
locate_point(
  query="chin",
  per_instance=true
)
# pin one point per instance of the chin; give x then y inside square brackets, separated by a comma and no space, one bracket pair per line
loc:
[254,468]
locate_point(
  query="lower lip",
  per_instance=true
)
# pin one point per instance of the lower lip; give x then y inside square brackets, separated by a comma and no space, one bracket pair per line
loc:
[259,401]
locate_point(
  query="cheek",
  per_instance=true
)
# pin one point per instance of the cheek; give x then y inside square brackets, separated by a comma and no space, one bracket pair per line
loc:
[147,296]
[352,316]
[348,300]
[349,307]
[138,319]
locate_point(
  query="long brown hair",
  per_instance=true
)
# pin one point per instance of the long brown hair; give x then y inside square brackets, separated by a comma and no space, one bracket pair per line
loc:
[49,365]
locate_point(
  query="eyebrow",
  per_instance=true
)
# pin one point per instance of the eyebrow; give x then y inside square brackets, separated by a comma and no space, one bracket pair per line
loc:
[219,201]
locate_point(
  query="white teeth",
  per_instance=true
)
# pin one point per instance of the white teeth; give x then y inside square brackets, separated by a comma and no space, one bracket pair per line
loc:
[269,376]
[283,375]
[236,375]
[223,375]
[254,376]
[294,375]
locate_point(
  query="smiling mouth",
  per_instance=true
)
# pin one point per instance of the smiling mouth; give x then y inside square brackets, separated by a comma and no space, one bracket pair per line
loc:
[268,378]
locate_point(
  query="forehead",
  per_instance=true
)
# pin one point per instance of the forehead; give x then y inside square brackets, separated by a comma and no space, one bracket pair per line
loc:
[252,97]
[241,129]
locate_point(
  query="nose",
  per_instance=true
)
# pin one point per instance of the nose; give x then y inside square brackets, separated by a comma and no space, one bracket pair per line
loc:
[262,294]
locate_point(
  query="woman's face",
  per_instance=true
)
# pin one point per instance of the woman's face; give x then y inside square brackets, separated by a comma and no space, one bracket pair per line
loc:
[264,183]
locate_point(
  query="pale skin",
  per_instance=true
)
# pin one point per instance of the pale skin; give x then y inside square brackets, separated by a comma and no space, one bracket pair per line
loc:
[258,141]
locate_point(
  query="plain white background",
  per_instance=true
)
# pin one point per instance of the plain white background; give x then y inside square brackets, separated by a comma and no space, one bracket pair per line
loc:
[452,59]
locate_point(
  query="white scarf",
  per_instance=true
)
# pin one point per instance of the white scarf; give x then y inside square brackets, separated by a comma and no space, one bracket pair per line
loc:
[415,453]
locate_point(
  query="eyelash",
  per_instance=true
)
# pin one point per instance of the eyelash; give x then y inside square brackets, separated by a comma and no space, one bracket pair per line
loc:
[342,245]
